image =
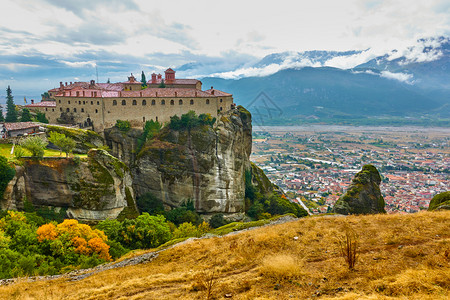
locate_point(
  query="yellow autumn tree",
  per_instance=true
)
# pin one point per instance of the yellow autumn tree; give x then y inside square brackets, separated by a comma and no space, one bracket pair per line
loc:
[83,239]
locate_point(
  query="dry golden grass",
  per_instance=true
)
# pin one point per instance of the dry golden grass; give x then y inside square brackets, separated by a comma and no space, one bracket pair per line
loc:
[399,257]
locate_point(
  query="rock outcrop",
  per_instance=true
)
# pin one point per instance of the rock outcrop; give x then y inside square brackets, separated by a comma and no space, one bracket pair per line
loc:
[205,164]
[85,139]
[90,189]
[363,195]
[440,201]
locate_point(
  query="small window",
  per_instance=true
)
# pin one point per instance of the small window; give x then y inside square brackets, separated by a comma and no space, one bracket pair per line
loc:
[68,109]
[46,109]
[74,109]
[163,102]
[92,102]
[84,102]
[60,109]
[96,111]
[79,102]
[144,102]
[69,101]
[53,109]
[114,102]
[153,102]
[156,119]
[180,102]
[134,102]
[221,108]
[207,101]
[143,119]
[59,101]
[221,100]
[191,102]
[98,102]
[82,110]
[172,102]
[124,102]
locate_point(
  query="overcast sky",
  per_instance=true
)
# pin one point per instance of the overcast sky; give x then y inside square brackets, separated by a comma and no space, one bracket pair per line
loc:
[47,41]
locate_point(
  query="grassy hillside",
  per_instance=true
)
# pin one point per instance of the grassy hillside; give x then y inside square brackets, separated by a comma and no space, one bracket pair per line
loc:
[398,256]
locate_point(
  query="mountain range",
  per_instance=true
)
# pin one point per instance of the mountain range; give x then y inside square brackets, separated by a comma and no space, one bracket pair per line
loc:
[411,84]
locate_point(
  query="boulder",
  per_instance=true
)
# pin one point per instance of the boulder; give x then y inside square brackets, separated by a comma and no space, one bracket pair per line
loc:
[363,195]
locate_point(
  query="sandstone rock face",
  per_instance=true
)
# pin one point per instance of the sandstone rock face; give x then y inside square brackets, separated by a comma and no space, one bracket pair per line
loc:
[92,189]
[363,195]
[440,201]
[85,139]
[205,164]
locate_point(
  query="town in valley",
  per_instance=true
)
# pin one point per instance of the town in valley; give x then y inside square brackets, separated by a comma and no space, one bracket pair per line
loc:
[315,164]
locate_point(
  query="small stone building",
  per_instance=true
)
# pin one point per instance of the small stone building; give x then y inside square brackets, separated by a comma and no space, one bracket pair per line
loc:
[18,129]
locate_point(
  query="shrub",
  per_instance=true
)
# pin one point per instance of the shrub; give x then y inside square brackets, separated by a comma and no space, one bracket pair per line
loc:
[6,174]
[123,125]
[348,245]
[149,203]
[35,145]
[217,221]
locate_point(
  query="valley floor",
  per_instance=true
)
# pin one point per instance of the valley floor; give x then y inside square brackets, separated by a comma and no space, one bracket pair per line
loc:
[398,256]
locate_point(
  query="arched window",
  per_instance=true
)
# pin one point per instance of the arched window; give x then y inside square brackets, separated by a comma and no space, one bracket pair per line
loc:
[69,101]
[143,119]
[74,109]
[207,101]
[79,102]
[84,102]
[163,102]
[92,102]
[156,119]
[60,109]
[98,102]
[82,109]
[221,100]
[124,102]
[153,102]
[134,102]
[191,102]
[96,111]
[221,109]
[180,102]
[114,102]
[172,102]
[59,101]
[68,109]
[144,102]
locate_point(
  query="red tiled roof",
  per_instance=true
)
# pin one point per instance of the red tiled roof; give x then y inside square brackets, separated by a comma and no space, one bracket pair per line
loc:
[162,92]
[19,125]
[218,93]
[42,104]
[176,81]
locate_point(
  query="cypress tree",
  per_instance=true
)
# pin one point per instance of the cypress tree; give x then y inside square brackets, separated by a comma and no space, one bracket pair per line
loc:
[26,116]
[2,118]
[162,84]
[143,80]
[11,114]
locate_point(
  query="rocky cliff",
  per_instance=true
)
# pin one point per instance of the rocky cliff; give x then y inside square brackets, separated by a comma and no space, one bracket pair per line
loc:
[91,189]
[205,164]
[363,195]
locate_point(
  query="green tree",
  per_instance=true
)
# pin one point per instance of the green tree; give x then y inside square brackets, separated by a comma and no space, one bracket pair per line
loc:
[11,113]
[45,96]
[162,84]
[35,145]
[123,125]
[64,143]
[26,116]
[6,174]
[2,118]
[40,117]
[143,80]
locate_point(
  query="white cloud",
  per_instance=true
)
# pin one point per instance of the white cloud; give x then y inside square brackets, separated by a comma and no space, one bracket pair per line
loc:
[79,64]
[403,77]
